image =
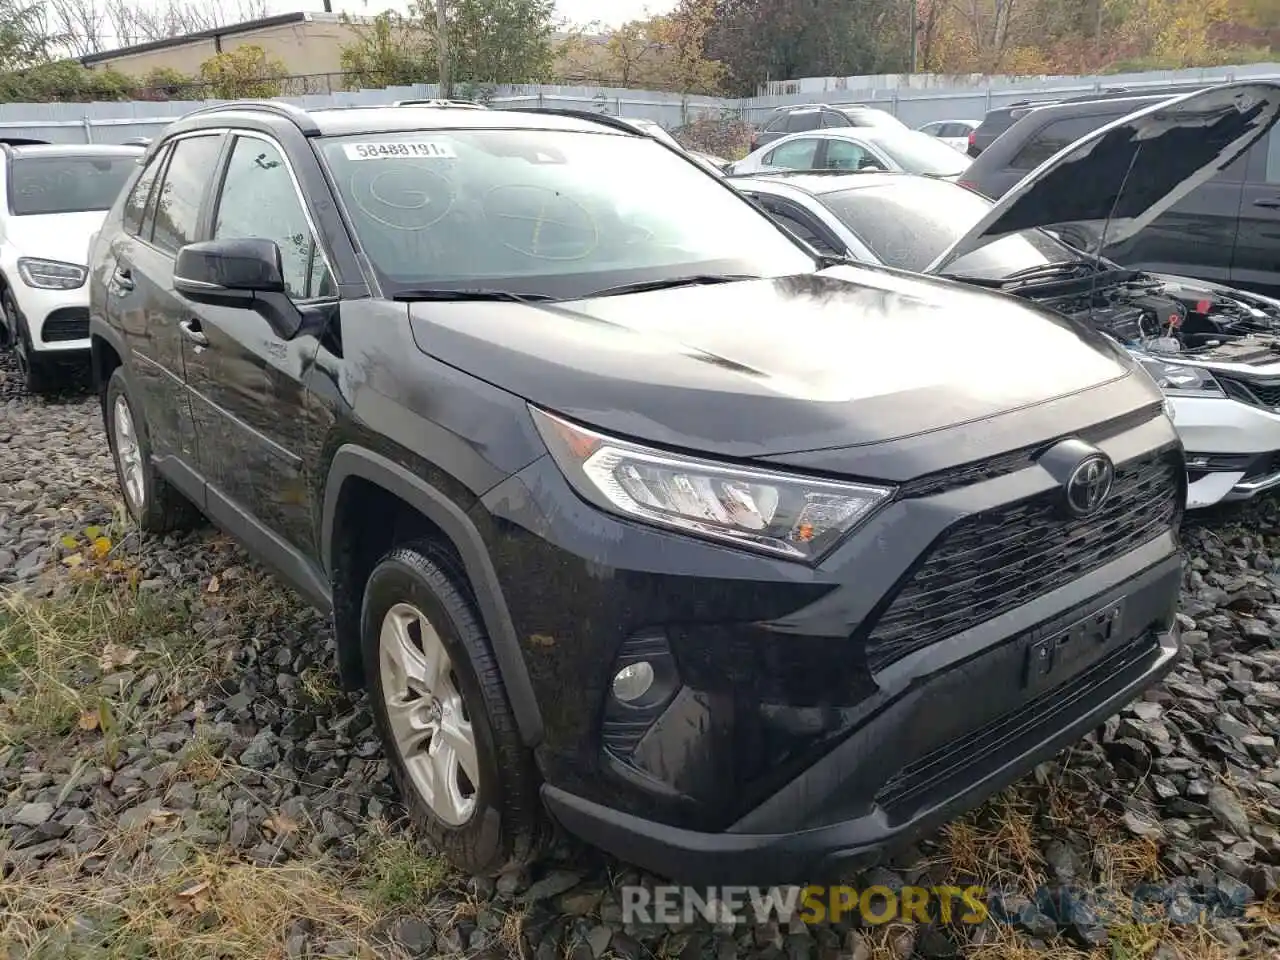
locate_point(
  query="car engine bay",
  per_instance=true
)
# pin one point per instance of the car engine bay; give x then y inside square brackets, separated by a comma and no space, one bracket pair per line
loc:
[1157,316]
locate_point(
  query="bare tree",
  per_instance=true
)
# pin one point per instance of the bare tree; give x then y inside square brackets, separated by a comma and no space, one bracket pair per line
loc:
[81,26]
[133,23]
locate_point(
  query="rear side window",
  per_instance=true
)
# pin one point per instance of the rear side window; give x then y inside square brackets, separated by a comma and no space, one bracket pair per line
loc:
[1056,135]
[794,155]
[183,189]
[136,203]
[832,118]
[777,124]
[807,120]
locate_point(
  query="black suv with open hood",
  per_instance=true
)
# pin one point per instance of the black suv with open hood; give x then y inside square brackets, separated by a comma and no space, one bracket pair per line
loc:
[629,509]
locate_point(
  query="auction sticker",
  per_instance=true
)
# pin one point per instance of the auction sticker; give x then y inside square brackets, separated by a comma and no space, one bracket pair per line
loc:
[399,150]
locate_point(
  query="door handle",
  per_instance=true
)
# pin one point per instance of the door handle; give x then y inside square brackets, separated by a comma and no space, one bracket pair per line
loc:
[123,277]
[1271,203]
[191,329]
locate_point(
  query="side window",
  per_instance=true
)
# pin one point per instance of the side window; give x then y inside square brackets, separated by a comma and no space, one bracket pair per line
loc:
[135,206]
[777,124]
[847,155]
[803,120]
[178,205]
[798,224]
[793,155]
[1056,135]
[259,200]
[935,129]
[834,118]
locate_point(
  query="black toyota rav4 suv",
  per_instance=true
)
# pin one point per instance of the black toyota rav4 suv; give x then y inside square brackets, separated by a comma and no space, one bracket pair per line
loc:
[632,513]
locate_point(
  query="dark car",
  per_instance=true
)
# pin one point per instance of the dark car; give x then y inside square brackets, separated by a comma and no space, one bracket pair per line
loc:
[1000,119]
[1223,230]
[631,511]
[819,116]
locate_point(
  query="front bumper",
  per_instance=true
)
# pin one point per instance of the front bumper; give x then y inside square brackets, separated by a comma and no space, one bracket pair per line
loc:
[973,761]
[58,320]
[1233,448]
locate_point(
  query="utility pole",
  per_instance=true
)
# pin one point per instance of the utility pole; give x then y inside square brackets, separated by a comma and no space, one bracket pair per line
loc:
[442,50]
[911,60]
[328,6]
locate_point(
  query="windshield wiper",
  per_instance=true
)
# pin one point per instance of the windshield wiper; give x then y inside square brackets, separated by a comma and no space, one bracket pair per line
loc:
[1052,271]
[474,293]
[641,286]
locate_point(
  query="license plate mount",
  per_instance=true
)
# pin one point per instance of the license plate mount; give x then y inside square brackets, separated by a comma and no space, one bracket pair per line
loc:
[1052,658]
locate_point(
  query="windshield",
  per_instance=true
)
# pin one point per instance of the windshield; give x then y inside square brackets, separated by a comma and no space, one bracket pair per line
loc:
[918,152]
[909,224]
[555,213]
[62,184]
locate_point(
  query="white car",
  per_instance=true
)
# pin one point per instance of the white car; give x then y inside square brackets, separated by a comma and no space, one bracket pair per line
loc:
[856,148]
[1214,350]
[954,133]
[55,199]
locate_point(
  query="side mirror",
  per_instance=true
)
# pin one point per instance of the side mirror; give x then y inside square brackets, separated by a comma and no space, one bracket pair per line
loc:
[246,273]
[228,271]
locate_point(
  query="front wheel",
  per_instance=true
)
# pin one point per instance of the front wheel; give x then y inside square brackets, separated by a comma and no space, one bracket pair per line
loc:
[37,372]
[442,712]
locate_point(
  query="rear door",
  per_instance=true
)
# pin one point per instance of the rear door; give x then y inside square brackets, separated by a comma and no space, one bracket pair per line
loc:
[160,214]
[1256,261]
[799,154]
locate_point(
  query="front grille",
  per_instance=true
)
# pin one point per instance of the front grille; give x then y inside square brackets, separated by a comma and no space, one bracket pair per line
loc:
[992,562]
[1251,392]
[66,323]
[935,774]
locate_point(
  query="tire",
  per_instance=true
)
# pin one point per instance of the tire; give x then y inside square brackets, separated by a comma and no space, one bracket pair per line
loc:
[505,825]
[153,503]
[38,373]
[8,325]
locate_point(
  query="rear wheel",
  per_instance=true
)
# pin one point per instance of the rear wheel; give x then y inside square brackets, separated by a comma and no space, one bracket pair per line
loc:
[447,729]
[155,505]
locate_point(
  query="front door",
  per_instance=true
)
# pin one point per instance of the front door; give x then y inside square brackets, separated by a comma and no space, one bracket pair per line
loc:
[245,379]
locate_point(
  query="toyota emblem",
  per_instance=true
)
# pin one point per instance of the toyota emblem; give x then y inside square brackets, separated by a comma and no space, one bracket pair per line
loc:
[1089,485]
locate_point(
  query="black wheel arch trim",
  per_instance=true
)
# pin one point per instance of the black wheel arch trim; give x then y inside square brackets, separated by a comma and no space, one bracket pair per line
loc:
[99,329]
[353,461]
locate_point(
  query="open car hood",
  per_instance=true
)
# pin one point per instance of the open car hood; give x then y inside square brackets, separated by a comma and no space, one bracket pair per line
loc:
[1116,180]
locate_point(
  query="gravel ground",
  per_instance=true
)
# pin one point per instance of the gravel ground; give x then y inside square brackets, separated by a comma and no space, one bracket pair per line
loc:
[180,776]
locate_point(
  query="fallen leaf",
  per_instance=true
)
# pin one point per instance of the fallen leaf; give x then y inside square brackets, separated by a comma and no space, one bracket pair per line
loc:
[114,655]
[162,817]
[281,825]
[73,561]
[194,890]
[93,533]
[101,546]
[89,720]
[71,543]
[214,585]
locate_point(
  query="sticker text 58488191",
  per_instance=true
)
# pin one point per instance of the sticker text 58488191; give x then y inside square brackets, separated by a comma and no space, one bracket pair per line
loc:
[399,150]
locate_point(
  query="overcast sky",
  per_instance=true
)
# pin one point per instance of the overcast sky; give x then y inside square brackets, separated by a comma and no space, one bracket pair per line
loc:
[611,12]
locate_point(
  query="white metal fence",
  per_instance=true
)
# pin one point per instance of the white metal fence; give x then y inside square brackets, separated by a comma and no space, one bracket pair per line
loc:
[916,99]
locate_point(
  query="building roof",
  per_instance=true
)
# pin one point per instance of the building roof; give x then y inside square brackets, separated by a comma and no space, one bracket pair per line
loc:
[231,29]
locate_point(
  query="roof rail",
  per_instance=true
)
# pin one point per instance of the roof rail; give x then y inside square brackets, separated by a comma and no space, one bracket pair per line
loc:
[299,116]
[604,119]
[440,102]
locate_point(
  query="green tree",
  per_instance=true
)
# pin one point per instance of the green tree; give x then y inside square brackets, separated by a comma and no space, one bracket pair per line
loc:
[24,41]
[64,80]
[166,83]
[391,50]
[245,72]
[499,41]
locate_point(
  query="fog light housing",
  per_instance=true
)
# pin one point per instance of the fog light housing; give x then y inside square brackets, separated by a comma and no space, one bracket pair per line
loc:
[633,681]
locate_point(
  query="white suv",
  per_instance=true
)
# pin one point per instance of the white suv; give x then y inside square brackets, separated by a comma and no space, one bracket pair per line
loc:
[55,197]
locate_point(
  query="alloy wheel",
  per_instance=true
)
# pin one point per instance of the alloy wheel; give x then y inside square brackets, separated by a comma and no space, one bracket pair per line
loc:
[428,721]
[129,455]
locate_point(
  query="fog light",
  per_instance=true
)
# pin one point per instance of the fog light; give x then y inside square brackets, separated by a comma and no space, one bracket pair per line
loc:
[633,681]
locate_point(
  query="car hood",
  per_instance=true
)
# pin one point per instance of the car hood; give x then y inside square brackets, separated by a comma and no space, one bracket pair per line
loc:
[55,236]
[1116,180]
[753,368]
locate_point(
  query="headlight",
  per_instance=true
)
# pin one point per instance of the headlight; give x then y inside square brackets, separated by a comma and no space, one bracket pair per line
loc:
[1177,377]
[51,274]
[776,513]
